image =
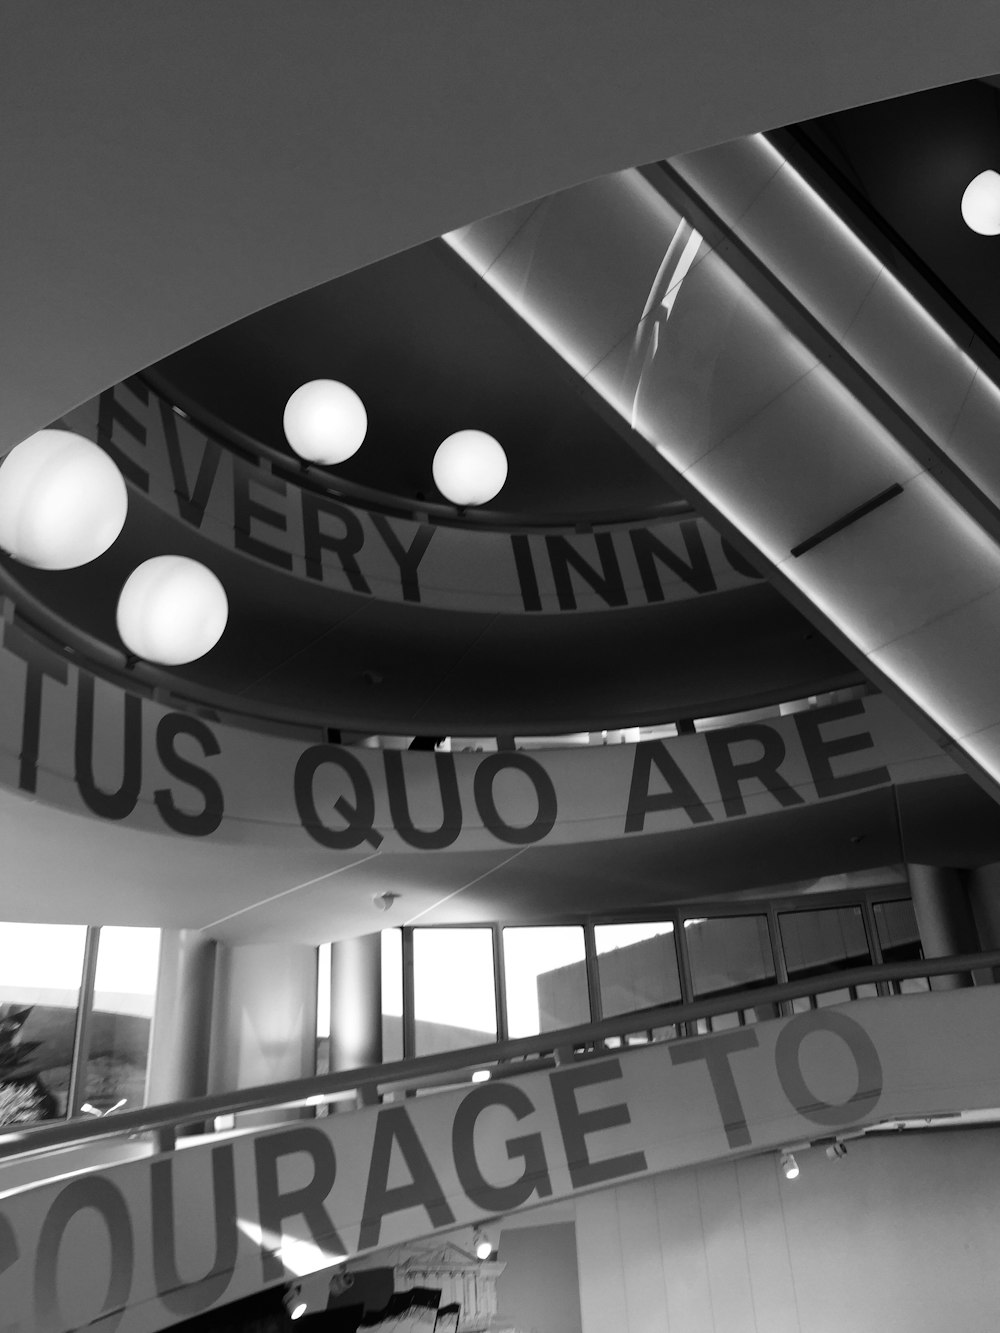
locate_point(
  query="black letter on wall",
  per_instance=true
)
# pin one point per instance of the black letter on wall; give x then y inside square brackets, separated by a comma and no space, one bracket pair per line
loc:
[208,819]
[764,767]
[108,804]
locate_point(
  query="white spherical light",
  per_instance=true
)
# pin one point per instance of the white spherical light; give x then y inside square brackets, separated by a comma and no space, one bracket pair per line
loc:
[981,204]
[469,467]
[62,501]
[171,610]
[325,421]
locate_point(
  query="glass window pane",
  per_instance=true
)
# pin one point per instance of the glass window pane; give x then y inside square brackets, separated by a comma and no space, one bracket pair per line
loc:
[636,966]
[41,968]
[454,996]
[728,953]
[821,941]
[898,936]
[545,972]
[124,992]
[392,994]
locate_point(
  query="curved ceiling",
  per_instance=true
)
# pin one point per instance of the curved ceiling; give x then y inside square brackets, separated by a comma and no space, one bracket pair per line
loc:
[169,170]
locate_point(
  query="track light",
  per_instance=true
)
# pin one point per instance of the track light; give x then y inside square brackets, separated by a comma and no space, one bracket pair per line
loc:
[789,1165]
[836,1150]
[295,1303]
[482,1243]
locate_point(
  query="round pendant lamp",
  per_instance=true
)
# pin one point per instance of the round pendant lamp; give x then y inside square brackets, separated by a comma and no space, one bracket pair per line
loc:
[981,204]
[171,610]
[325,422]
[62,501]
[470,468]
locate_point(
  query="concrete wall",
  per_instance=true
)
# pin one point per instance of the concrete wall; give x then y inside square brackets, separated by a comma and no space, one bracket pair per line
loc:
[903,1233]
[539,1289]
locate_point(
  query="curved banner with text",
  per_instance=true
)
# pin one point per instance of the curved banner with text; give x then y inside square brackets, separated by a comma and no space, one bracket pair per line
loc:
[142,1245]
[73,740]
[245,506]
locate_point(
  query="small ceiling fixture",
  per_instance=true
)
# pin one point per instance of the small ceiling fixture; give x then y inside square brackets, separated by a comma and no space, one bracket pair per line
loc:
[789,1165]
[837,1150]
[295,1302]
[171,610]
[981,204]
[482,1242]
[470,468]
[325,422]
[63,501]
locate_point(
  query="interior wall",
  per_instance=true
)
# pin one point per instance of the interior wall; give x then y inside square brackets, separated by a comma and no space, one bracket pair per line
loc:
[540,1297]
[903,1233]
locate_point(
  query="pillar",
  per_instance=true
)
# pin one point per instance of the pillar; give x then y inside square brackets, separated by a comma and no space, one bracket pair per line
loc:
[356,1002]
[944,917]
[264,1016]
[984,895]
[182,1018]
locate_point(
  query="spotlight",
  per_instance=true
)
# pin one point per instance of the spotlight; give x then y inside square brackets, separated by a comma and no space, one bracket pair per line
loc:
[483,1244]
[789,1165]
[836,1150]
[295,1302]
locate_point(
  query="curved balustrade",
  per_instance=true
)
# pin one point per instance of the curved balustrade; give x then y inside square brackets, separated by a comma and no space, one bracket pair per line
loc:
[521,1055]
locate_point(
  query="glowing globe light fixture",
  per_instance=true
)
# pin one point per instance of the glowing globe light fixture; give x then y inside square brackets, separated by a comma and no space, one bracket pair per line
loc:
[325,421]
[483,1244]
[62,501]
[981,204]
[171,610]
[469,467]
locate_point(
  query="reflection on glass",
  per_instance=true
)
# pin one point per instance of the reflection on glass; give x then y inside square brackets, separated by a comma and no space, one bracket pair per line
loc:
[545,971]
[392,994]
[728,953]
[821,941]
[898,936]
[899,939]
[41,968]
[454,997]
[637,966]
[124,991]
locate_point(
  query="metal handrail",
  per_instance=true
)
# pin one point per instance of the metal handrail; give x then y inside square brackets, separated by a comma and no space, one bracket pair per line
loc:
[316,477]
[560,1046]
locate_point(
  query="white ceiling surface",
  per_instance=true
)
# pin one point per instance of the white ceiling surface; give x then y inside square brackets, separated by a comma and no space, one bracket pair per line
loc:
[168,169]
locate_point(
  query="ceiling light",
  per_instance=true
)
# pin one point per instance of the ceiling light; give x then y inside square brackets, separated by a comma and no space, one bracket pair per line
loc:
[789,1165]
[470,467]
[62,501]
[483,1244]
[295,1303]
[981,204]
[171,610]
[325,421]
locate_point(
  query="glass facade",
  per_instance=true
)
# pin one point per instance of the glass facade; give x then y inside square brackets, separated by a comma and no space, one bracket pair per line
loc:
[449,987]
[545,975]
[59,1034]
[728,953]
[454,988]
[41,974]
[636,966]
